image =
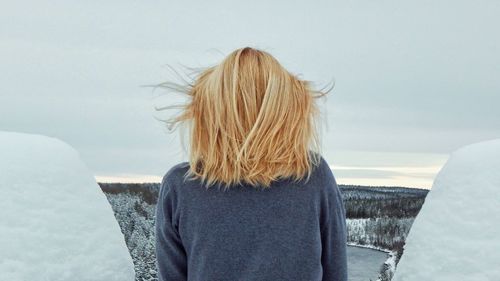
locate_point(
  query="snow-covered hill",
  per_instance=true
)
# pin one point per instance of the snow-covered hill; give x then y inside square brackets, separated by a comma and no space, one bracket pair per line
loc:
[55,222]
[456,234]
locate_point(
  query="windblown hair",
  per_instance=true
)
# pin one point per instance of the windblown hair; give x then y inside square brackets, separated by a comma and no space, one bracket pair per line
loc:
[251,121]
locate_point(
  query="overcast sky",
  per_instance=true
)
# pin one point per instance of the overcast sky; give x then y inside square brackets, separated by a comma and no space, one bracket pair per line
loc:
[415,80]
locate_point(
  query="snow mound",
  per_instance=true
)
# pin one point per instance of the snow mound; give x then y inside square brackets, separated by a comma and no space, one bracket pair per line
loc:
[456,234]
[55,222]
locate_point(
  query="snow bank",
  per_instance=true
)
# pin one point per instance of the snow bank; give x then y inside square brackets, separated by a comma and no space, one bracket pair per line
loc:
[456,235]
[55,222]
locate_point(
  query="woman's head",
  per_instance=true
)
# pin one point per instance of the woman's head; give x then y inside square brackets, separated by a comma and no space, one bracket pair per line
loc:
[251,121]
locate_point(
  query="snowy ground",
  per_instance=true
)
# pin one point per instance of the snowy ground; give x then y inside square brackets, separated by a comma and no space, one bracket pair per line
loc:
[456,234]
[55,223]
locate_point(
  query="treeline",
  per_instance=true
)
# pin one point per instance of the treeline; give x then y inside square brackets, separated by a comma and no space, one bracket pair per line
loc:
[377,208]
[148,192]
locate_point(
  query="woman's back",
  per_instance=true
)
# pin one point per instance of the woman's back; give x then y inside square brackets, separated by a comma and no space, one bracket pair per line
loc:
[279,215]
[289,231]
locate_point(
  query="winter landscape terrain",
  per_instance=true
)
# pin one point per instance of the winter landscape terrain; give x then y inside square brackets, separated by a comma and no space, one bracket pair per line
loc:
[378,218]
[57,223]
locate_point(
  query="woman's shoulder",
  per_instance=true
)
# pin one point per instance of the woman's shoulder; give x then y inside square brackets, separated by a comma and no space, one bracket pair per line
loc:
[324,168]
[175,173]
[173,177]
[329,182]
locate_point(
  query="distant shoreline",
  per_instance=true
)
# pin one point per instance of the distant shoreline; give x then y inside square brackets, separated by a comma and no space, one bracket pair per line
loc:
[369,247]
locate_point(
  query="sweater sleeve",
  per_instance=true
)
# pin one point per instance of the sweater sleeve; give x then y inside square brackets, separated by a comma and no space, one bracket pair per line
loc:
[334,234]
[171,259]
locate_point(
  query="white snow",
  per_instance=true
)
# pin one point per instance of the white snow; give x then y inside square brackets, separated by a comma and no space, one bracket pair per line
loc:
[55,222]
[456,235]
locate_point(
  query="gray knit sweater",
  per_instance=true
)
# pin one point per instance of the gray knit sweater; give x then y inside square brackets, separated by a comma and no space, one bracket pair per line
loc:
[292,231]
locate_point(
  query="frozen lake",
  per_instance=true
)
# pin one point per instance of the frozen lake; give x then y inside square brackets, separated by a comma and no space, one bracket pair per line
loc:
[364,264]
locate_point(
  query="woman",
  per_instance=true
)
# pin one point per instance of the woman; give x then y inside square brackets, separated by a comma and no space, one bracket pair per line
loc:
[280,215]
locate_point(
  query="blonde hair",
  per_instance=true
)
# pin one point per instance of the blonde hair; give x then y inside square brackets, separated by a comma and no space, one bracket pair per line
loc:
[251,121]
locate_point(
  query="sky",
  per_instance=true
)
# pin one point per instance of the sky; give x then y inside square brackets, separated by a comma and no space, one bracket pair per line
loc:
[414,80]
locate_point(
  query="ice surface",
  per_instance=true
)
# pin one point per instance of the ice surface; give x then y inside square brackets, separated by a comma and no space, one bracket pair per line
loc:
[456,235]
[55,222]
